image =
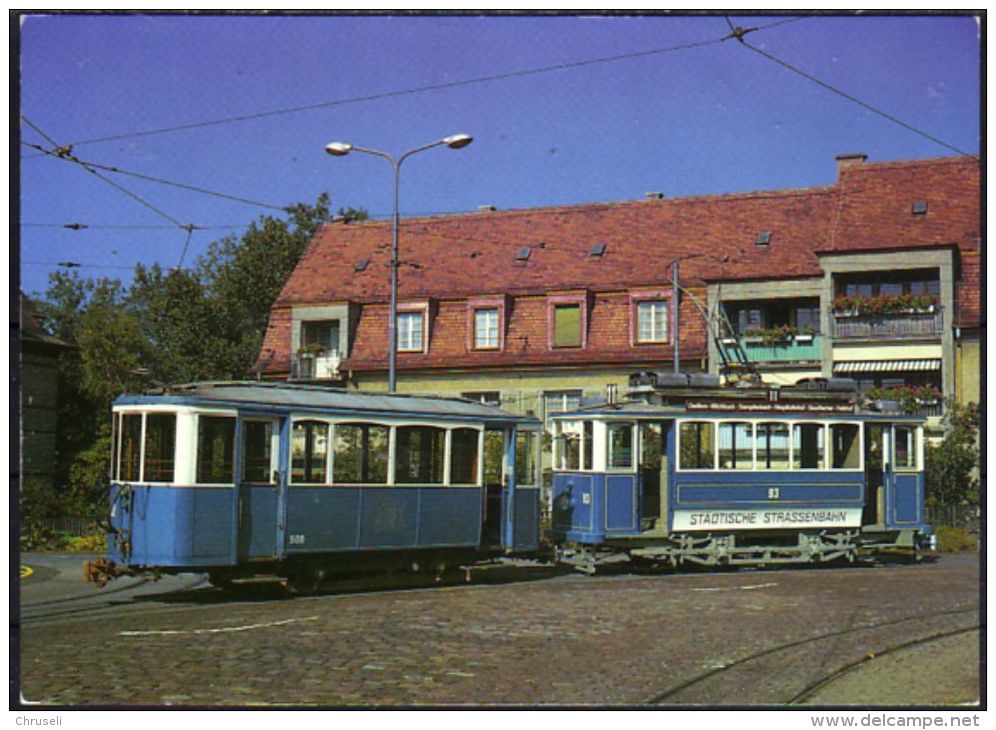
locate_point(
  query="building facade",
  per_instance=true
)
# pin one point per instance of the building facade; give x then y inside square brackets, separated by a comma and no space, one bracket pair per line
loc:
[875,277]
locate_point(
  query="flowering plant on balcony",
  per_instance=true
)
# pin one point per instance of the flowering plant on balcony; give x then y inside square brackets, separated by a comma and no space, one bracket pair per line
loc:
[884,304]
[774,335]
[312,348]
[909,397]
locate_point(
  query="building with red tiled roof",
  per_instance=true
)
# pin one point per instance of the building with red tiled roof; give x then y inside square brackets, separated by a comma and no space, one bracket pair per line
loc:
[875,277]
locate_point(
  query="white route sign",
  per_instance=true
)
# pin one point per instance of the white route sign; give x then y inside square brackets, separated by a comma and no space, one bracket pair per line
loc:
[765,519]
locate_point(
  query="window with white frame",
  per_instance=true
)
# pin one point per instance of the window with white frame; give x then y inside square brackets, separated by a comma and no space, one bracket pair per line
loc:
[411,327]
[486,329]
[651,321]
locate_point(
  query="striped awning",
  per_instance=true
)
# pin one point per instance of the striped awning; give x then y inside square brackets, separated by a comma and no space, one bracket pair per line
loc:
[885,366]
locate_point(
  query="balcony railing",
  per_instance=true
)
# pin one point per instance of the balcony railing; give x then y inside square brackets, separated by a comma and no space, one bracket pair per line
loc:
[800,348]
[310,366]
[903,325]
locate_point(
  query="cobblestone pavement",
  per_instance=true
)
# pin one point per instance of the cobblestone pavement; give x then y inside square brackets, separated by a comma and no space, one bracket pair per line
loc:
[569,640]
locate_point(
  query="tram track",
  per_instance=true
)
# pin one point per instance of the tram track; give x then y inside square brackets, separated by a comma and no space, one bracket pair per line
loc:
[673,695]
[810,690]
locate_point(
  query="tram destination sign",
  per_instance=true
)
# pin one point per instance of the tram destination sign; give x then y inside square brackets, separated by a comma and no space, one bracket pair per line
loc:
[769,406]
[765,519]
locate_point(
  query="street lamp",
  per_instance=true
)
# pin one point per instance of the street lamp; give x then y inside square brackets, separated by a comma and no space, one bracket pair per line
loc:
[339,149]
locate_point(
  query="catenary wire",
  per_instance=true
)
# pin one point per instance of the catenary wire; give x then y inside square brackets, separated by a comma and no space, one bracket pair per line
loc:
[849,97]
[404,92]
[150,178]
[67,154]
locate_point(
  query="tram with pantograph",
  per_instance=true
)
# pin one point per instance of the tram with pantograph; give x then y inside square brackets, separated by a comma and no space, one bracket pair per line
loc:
[685,471]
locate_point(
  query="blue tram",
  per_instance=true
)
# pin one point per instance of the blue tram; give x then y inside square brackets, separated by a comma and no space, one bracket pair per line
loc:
[243,479]
[726,476]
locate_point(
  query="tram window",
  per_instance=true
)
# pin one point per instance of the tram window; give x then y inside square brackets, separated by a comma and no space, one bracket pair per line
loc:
[588,443]
[419,452]
[115,432]
[464,453]
[361,454]
[846,451]
[309,452]
[131,447]
[772,446]
[525,458]
[652,446]
[807,446]
[568,445]
[215,449]
[905,450]
[736,446]
[697,445]
[620,445]
[257,440]
[160,446]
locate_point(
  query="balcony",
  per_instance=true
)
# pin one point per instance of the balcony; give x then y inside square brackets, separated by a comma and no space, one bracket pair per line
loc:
[316,366]
[797,348]
[902,325]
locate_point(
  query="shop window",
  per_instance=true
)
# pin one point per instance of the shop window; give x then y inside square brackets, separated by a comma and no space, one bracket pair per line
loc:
[361,453]
[215,449]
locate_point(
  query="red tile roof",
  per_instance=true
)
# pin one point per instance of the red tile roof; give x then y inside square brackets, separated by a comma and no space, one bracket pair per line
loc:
[468,255]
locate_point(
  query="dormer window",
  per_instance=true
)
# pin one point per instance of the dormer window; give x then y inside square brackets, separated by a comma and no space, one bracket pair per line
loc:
[486,329]
[650,317]
[567,320]
[486,323]
[411,331]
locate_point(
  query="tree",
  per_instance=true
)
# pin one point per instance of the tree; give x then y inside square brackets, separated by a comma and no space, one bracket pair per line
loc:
[170,326]
[952,466]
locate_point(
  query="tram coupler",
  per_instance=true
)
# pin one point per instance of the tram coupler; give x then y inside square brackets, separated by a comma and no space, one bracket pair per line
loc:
[102,571]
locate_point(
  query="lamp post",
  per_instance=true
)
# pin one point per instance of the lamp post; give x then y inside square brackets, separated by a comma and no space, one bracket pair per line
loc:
[339,149]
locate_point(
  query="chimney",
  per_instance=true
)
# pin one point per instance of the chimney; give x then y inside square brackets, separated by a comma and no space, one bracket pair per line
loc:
[845,162]
[654,195]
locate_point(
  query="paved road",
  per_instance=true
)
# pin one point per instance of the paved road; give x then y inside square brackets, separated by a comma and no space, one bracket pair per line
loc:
[567,640]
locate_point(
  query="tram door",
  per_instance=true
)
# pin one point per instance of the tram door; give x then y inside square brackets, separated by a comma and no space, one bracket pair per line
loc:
[653,475]
[259,489]
[494,459]
[875,465]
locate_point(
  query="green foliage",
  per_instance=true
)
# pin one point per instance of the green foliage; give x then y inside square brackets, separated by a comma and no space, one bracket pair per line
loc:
[952,466]
[955,540]
[170,326]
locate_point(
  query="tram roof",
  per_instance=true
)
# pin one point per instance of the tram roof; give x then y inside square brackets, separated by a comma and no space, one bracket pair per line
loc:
[305,397]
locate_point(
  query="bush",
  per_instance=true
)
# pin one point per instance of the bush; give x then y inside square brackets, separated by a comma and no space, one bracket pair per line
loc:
[956,540]
[87,544]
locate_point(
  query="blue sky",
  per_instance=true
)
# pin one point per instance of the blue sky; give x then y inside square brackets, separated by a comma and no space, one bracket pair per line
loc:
[710,119]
